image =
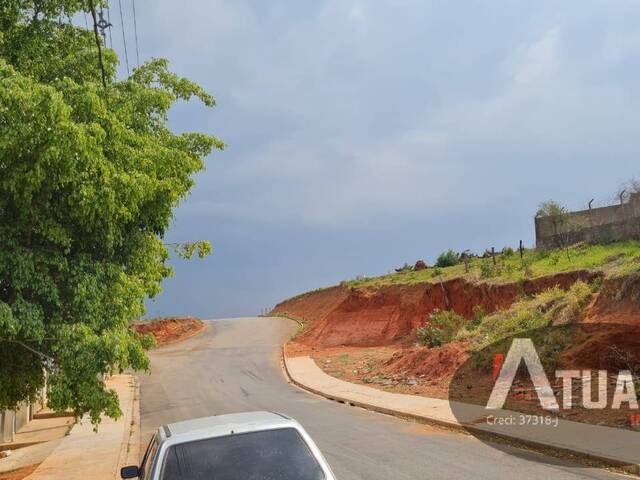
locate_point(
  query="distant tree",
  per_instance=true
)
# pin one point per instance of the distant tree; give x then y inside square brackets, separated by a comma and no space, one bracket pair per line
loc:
[447,259]
[561,223]
[89,177]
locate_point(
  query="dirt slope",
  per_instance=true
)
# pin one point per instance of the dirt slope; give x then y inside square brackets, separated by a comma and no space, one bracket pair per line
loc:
[390,315]
[170,330]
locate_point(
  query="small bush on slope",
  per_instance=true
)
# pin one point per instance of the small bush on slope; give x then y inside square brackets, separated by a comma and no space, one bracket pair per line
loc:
[442,328]
[447,259]
[551,307]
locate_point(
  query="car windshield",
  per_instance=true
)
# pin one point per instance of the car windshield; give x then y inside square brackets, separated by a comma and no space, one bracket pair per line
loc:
[279,454]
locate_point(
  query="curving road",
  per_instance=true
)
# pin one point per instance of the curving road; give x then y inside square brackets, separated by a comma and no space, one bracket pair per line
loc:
[234,366]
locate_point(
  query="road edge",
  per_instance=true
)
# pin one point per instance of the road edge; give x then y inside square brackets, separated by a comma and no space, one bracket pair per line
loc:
[551,450]
[130,446]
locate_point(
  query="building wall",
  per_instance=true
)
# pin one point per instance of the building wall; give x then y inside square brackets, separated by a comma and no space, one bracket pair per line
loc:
[13,420]
[23,415]
[598,225]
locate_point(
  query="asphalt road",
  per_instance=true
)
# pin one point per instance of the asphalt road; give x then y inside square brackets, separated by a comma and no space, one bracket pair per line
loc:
[234,366]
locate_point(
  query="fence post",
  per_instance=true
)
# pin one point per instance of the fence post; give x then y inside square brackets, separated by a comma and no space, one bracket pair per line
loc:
[493,254]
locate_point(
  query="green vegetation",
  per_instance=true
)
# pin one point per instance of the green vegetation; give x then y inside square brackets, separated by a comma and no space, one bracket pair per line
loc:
[447,259]
[551,307]
[89,176]
[561,222]
[616,258]
[442,328]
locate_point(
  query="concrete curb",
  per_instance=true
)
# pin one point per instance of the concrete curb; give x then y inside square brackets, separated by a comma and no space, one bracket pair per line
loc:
[374,408]
[130,446]
[467,427]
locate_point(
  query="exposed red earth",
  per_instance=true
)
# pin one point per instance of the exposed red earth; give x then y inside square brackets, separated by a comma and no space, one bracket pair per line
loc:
[339,316]
[367,335]
[170,329]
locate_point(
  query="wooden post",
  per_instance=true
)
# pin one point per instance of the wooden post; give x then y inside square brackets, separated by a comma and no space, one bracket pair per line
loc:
[493,254]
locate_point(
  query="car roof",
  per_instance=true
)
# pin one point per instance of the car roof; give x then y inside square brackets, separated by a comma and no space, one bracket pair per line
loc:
[219,425]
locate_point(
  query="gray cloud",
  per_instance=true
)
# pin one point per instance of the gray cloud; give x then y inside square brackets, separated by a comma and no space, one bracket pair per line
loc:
[414,125]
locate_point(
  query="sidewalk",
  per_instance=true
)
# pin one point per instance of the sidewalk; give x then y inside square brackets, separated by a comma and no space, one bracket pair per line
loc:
[86,454]
[617,447]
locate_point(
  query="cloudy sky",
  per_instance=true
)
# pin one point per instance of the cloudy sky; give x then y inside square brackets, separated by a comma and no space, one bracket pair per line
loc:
[363,134]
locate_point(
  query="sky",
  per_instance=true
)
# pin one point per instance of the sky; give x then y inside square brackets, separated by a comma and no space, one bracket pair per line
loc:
[365,134]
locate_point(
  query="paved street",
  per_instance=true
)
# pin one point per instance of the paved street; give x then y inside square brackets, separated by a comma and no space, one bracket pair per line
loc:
[234,366]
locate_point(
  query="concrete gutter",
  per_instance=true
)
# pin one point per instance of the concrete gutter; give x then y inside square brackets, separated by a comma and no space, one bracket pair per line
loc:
[612,447]
[99,455]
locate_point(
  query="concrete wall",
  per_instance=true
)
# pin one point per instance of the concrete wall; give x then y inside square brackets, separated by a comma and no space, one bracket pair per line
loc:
[598,225]
[23,415]
[11,421]
[7,426]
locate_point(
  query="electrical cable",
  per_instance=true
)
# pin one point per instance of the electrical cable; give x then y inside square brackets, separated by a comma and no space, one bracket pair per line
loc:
[135,30]
[124,38]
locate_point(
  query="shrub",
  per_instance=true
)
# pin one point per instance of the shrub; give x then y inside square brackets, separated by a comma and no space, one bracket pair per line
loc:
[478,316]
[526,268]
[487,269]
[429,336]
[508,251]
[443,327]
[577,297]
[447,259]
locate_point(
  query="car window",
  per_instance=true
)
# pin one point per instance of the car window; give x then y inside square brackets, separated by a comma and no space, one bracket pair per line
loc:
[149,456]
[279,454]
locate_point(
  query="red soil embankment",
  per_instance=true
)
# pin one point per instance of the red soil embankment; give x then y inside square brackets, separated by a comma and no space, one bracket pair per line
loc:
[171,329]
[390,315]
[617,302]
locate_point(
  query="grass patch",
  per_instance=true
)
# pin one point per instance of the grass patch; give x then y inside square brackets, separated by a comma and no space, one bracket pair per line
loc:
[553,307]
[615,258]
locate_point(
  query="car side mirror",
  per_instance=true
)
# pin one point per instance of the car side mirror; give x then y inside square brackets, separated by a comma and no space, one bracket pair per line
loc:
[132,471]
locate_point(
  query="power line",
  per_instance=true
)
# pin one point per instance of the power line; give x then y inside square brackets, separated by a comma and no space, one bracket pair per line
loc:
[124,38]
[135,30]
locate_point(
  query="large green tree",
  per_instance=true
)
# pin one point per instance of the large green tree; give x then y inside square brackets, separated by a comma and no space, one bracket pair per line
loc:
[89,178]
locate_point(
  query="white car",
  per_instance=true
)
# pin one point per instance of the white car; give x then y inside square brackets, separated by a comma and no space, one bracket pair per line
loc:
[241,446]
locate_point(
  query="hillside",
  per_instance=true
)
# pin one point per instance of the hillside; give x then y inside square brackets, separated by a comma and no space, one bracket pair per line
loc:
[410,332]
[388,309]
